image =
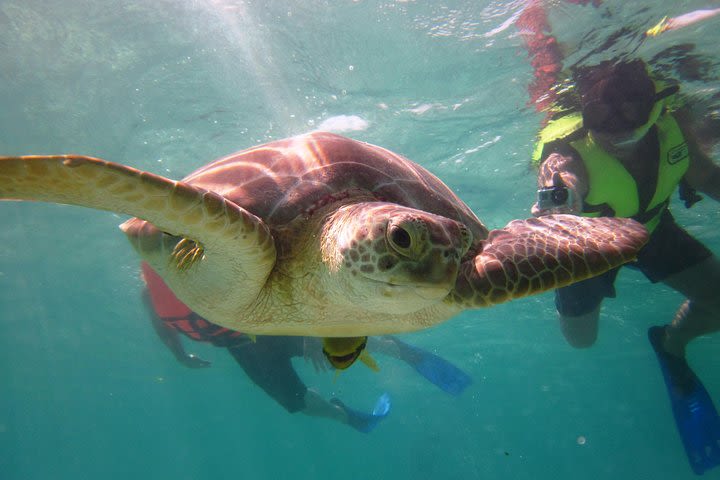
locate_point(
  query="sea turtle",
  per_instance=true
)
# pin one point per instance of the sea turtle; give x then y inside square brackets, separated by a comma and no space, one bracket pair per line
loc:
[322,235]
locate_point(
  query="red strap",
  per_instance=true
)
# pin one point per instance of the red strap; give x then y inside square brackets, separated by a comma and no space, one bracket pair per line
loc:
[184,326]
[164,301]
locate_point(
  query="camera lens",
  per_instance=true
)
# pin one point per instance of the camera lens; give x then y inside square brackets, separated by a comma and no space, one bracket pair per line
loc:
[560,196]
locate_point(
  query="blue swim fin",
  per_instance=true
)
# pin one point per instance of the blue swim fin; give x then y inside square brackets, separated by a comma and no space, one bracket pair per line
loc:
[695,415]
[439,371]
[366,422]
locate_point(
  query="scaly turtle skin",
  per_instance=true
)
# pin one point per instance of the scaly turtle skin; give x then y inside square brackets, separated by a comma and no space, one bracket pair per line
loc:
[321,235]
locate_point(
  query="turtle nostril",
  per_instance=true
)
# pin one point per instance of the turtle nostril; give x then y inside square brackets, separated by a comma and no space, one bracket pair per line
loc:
[450,253]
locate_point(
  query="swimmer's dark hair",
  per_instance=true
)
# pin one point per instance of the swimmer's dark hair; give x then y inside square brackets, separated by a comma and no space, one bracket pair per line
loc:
[615,97]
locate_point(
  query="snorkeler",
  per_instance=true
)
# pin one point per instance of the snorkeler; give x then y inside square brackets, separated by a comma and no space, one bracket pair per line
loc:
[623,154]
[267,359]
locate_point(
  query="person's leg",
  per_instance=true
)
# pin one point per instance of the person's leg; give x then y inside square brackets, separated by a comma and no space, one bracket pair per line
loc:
[386,345]
[674,257]
[700,313]
[317,406]
[696,417]
[580,331]
[314,405]
[578,307]
[683,263]
[268,364]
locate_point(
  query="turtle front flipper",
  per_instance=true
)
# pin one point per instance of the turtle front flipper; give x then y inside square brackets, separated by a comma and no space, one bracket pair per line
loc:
[221,254]
[532,256]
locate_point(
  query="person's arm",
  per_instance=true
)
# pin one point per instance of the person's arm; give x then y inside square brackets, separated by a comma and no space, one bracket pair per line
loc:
[703,174]
[171,338]
[563,170]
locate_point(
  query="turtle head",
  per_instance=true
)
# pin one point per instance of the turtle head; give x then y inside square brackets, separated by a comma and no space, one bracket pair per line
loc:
[392,259]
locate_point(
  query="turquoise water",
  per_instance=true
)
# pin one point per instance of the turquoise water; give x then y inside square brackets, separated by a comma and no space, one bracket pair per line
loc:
[86,389]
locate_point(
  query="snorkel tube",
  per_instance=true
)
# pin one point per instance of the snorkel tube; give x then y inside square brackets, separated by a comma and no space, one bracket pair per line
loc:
[681,21]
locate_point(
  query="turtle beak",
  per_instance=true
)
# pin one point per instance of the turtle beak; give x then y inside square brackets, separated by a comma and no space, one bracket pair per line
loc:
[343,352]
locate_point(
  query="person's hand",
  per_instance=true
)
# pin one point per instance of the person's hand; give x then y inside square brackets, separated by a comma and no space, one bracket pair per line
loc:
[312,352]
[559,171]
[193,361]
[541,212]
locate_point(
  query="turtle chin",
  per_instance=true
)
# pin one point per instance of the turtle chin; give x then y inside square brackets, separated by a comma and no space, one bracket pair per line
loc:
[388,297]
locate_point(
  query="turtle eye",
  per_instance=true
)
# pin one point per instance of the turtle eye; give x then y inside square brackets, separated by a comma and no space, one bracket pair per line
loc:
[400,239]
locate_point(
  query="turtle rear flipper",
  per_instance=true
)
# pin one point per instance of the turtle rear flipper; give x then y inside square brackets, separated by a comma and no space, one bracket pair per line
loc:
[226,245]
[538,254]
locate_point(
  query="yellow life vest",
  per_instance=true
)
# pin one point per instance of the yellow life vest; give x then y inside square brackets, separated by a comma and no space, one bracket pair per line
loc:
[610,184]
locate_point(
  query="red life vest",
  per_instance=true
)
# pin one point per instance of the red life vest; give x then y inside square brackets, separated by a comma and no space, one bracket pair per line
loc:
[179,316]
